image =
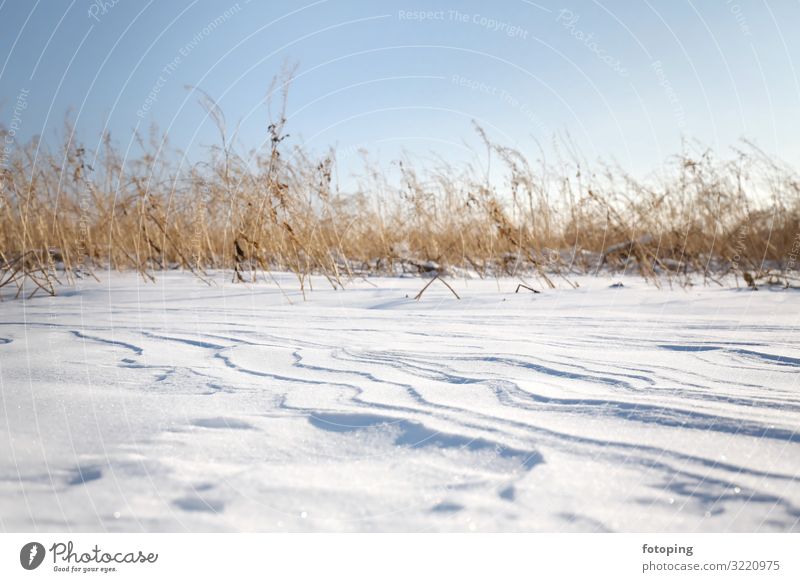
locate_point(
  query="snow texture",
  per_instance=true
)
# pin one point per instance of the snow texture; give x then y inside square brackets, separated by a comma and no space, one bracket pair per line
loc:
[176,406]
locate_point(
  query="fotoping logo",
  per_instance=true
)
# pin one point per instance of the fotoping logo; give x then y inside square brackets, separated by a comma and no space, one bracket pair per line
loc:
[31,555]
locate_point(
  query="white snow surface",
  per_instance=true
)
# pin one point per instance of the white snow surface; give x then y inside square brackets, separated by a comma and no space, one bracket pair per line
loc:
[174,406]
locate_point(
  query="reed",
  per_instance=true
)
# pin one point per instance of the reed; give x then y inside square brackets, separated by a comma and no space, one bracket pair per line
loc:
[67,212]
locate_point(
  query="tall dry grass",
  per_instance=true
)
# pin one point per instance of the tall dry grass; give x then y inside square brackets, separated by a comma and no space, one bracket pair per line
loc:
[66,213]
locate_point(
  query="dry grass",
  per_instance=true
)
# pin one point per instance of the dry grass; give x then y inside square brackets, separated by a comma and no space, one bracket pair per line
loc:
[66,213]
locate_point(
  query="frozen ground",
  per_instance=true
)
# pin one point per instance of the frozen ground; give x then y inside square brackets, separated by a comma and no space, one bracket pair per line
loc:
[129,406]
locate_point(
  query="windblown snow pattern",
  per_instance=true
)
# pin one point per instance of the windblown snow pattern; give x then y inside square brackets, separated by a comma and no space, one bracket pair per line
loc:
[176,406]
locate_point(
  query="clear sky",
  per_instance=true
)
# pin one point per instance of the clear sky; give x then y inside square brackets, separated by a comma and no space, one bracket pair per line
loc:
[626,79]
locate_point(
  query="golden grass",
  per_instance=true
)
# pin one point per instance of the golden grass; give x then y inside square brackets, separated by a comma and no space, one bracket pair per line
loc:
[66,213]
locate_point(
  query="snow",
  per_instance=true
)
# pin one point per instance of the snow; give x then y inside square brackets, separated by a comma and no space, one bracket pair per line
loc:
[131,406]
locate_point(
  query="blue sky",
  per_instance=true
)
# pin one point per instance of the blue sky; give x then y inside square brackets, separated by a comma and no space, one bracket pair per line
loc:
[626,80]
